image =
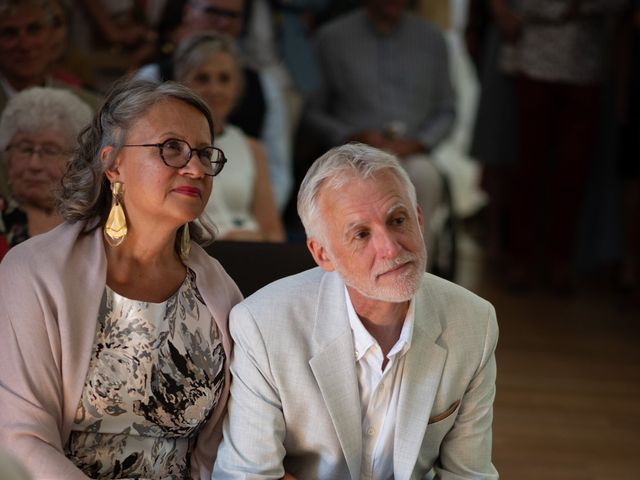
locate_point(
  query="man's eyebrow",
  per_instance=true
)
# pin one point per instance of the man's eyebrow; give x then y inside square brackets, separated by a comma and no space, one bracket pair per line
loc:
[395,207]
[359,223]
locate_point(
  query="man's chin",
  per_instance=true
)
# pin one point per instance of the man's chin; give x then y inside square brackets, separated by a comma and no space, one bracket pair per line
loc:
[399,293]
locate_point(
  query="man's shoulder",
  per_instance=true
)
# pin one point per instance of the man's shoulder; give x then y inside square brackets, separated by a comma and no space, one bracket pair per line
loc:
[286,308]
[340,26]
[457,312]
[293,289]
[453,302]
[421,27]
[445,289]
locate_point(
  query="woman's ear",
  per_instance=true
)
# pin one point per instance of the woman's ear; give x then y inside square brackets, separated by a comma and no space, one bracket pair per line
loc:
[112,172]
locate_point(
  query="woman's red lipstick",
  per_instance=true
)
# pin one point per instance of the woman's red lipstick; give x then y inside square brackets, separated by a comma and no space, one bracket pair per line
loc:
[190,191]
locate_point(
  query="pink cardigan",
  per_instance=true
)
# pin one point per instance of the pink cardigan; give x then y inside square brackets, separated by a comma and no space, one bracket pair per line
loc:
[50,292]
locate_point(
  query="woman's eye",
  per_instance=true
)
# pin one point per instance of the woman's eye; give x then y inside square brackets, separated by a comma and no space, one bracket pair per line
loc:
[173,146]
[224,78]
[201,79]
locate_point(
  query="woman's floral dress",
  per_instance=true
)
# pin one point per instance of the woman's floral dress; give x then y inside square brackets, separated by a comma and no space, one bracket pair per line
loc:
[155,374]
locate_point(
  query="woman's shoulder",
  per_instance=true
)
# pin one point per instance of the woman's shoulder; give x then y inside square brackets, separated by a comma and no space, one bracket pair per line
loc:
[52,249]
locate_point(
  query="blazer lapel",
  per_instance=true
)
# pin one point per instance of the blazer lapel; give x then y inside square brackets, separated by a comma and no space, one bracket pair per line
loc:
[422,373]
[335,371]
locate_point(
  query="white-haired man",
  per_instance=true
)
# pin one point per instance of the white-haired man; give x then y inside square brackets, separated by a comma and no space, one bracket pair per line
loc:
[367,367]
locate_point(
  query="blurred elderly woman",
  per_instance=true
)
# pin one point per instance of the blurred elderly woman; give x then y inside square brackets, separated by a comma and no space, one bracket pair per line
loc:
[114,345]
[38,131]
[209,63]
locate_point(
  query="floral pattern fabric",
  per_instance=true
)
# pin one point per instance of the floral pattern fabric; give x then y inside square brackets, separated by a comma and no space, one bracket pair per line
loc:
[155,375]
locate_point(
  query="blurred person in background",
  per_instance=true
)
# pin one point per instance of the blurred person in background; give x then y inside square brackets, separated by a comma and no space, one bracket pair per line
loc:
[385,81]
[28,40]
[261,111]
[560,56]
[209,63]
[38,131]
[629,159]
[493,27]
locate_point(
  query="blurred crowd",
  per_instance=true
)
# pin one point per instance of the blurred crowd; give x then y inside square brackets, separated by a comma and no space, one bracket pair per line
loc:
[524,109]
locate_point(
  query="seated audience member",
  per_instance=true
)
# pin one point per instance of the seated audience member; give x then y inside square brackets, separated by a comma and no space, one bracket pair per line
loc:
[113,326]
[261,111]
[70,66]
[38,131]
[397,96]
[210,65]
[28,40]
[367,367]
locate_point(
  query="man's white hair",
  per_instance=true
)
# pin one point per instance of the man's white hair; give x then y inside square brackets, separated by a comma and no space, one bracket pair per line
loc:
[335,169]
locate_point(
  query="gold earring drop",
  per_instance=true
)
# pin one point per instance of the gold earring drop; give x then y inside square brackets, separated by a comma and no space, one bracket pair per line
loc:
[185,243]
[115,230]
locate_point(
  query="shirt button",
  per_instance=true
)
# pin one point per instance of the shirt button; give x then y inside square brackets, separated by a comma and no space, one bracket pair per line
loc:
[371,431]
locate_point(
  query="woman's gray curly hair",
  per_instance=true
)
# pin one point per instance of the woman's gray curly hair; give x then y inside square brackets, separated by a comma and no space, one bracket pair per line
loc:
[86,191]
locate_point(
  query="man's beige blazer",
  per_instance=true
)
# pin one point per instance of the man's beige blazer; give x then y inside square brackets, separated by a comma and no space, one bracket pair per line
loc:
[294,402]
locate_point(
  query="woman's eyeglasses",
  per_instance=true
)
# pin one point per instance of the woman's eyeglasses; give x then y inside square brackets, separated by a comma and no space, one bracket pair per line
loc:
[177,154]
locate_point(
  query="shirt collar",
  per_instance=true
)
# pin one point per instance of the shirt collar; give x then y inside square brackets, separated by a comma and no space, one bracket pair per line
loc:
[363,340]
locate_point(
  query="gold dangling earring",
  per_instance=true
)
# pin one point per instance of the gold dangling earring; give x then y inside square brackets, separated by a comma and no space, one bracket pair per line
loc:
[115,230]
[185,243]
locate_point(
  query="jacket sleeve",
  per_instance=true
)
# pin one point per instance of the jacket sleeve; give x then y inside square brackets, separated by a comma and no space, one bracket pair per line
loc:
[465,453]
[31,391]
[254,429]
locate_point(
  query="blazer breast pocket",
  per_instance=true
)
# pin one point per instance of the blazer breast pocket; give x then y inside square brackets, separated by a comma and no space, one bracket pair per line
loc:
[439,425]
[441,416]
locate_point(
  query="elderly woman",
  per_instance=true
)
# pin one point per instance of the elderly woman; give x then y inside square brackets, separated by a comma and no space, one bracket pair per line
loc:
[114,345]
[209,63]
[38,131]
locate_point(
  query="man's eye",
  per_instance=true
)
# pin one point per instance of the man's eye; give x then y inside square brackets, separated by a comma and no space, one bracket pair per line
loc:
[399,220]
[361,235]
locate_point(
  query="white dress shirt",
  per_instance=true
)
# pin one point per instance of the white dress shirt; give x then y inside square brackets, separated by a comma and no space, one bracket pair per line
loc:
[379,393]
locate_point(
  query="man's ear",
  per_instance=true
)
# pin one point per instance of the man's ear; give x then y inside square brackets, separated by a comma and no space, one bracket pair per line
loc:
[420,218]
[320,255]
[113,172]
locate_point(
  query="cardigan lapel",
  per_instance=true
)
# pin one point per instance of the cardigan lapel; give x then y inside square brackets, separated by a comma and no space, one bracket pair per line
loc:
[334,368]
[422,374]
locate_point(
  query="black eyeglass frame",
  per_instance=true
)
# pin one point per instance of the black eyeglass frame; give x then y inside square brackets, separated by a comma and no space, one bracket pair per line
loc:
[217,165]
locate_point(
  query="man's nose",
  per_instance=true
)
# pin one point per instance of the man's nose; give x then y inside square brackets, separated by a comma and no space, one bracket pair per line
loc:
[386,244]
